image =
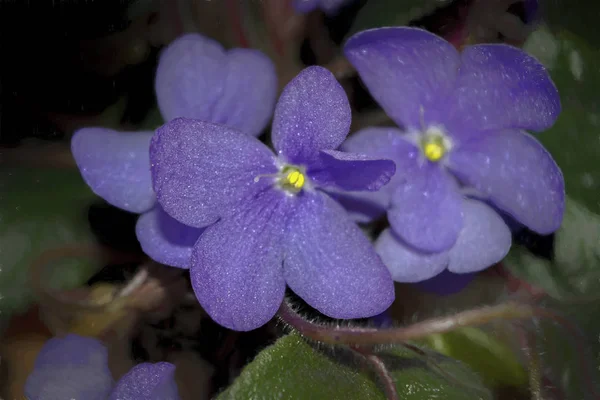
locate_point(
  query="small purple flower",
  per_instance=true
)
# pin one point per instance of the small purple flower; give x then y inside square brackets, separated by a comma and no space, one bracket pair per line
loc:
[328,6]
[76,367]
[272,222]
[463,119]
[196,78]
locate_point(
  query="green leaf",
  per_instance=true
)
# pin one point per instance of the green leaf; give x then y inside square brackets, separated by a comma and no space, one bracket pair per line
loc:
[380,13]
[39,210]
[291,368]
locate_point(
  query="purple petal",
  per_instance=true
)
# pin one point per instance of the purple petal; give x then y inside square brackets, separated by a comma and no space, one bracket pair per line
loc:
[196,78]
[406,70]
[518,175]
[312,114]
[147,381]
[72,367]
[116,166]
[236,265]
[405,263]
[484,240]
[360,205]
[500,86]
[426,209]
[306,6]
[166,240]
[446,283]
[331,264]
[350,171]
[203,171]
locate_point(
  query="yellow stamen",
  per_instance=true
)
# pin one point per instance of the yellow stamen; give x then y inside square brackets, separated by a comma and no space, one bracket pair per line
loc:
[434,147]
[296,179]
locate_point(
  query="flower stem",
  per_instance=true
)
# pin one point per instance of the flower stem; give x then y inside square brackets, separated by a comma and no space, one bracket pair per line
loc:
[378,366]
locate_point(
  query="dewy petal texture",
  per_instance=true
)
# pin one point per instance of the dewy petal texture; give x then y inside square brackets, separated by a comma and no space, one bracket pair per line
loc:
[312,114]
[116,166]
[405,263]
[426,209]
[484,240]
[203,171]
[517,174]
[72,367]
[350,171]
[147,381]
[236,265]
[405,69]
[498,87]
[331,264]
[166,240]
[196,78]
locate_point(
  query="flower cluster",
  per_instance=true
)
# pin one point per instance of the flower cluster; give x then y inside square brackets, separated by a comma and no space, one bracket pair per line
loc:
[76,367]
[249,222]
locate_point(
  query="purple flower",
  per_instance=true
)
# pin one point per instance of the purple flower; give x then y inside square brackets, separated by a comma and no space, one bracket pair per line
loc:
[328,6]
[76,367]
[196,78]
[463,119]
[272,222]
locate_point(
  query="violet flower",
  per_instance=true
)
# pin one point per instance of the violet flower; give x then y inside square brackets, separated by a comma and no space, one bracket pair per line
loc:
[328,6]
[76,367]
[272,222]
[196,78]
[463,140]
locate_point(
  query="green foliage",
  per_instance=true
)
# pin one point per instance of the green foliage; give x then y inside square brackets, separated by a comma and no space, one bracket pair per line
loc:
[292,368]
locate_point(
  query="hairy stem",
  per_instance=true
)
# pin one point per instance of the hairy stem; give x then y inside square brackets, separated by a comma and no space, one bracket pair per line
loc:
[379,367]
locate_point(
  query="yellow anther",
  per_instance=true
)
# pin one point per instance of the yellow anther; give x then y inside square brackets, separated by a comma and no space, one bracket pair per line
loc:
[434,147]
[296,179]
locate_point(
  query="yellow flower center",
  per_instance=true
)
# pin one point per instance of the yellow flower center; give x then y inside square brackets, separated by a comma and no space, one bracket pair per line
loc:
[434,147]
[292,179]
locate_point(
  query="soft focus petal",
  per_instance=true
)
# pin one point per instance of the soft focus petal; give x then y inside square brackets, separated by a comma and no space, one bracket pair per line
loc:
[196,78]
[500,86]
[405,69]
[518,175]
[72,367]
[328,6]
[484,240]
[305,6]
[351,171]
[426,209]
[405,263]
[331,264]
[236,265]
[312,114]
[445,283]
[361,206]
[147,381]
[203,171]
[116,166]
[166,240]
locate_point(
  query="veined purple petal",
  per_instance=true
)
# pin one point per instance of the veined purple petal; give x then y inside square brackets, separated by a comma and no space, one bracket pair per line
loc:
[312,114]
[426,209]
[166,240]
[72,367]
[236,267]
[196,78]
[331,264]
[116,166]
[484,240]
[517,174]
[362,207]
[203,171]
[351,171]
[498,87]
[406,70]
[404,262]
[147,381]
[446,283]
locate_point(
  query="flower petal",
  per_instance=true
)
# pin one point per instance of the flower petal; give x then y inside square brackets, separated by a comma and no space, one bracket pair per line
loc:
[405,69]
[196,78]
[518,174]
[203,171]
[426,209]
[312,114]
[498,87]
[484,240]
[445,283]
[328,6]
[166,240]
[361,206]
[236,264]
[72,367]
[116,166]
[405,263]
[351,171]
[147,381]
[331,264]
